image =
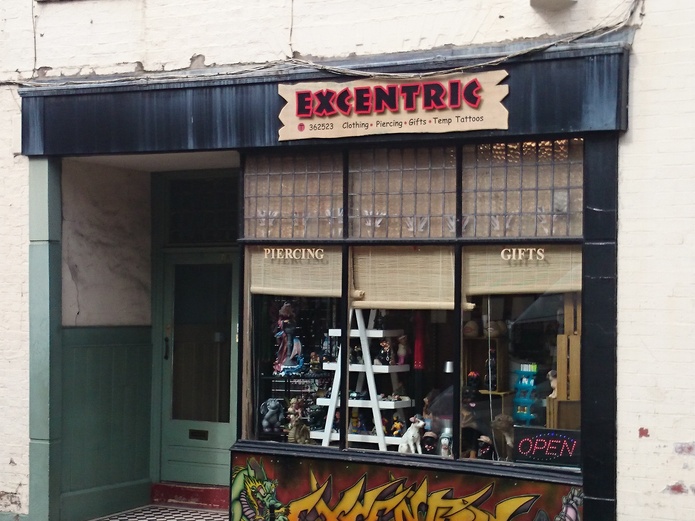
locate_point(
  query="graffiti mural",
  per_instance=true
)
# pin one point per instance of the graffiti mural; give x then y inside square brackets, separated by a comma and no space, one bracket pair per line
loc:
[287,489]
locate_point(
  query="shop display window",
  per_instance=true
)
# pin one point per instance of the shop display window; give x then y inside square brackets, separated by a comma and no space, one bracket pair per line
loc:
[458,348]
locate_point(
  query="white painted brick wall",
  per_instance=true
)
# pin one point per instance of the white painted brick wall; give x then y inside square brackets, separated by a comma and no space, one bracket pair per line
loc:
[656,388]
[657,188]
[14,310]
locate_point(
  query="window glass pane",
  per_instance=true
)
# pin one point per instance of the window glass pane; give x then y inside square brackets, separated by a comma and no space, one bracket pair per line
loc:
[402,193]
[520,353]
[293,196]
[401,369]
[531,189]
[520,363]
[290,343]
[203,211]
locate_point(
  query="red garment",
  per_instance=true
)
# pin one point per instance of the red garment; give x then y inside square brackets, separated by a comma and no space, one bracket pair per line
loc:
[419,341]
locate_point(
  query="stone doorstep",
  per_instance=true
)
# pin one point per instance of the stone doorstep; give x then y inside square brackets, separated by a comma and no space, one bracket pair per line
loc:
[193,496]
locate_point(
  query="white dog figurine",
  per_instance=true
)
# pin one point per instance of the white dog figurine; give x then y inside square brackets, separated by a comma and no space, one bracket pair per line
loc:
[410,442]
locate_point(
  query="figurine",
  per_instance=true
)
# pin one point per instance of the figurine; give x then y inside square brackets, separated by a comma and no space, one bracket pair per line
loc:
[396,426]
[296,406]
[429,442]
[314,362]
[272,413]
[469,432]
[399,387]
[317,417]
[336,422]
[552,378]
[288,346]
[385,424]
[403,349]
[385,356]
[297,368]
[356,355]
[298,431]
[362,424]
[471,329]
[503,434]
[445,446]
[411,439]
[486,449]
[473,380]
[354,422]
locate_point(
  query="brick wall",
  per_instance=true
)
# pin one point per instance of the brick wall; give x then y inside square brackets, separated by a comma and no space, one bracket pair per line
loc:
[14,310]
[656,281]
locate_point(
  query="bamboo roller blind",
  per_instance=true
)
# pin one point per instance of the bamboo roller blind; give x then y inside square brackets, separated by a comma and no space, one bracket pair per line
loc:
[404,277]
[485,272]
[302,278]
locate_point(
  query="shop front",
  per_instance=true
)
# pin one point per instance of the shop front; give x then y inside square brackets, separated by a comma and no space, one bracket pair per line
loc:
[424,308]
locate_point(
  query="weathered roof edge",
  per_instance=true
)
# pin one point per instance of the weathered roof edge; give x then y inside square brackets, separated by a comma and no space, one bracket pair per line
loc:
[429,62]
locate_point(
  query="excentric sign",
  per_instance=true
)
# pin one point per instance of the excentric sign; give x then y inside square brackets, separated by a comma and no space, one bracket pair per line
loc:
[453,103]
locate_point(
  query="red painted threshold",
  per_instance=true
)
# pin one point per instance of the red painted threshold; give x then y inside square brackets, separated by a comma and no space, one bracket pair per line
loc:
[196,496]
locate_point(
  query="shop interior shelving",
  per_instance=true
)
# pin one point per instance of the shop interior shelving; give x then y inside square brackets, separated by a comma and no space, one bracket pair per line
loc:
[365,332]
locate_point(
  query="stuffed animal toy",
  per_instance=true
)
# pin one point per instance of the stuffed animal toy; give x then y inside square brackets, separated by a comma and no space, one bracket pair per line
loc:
[411,439]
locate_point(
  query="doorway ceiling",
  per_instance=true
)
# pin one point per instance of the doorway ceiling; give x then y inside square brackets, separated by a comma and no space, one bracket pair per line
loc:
[167,162]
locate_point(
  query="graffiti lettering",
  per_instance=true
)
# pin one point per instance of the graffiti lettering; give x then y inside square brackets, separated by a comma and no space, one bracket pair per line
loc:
[394,500]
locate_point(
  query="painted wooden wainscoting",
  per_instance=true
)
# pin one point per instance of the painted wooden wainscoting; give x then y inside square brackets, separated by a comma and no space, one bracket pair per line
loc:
[106,384]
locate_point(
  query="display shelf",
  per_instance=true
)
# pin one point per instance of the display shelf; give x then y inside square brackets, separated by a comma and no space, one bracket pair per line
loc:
[475,357]
[383,404]
[360,368]
[365,332]
[504,397]
[371,333]
[357,438]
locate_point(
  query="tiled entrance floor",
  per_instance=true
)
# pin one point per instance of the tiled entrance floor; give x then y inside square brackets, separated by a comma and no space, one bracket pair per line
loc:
[167,513]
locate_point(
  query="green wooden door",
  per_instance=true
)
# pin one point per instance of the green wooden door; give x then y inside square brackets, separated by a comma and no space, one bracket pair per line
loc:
[199,373]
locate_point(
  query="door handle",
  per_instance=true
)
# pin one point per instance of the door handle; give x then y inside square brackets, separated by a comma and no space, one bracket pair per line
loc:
[166,348]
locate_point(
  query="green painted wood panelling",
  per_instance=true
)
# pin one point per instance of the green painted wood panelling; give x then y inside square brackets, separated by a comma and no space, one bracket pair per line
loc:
[107,373]
[45,414]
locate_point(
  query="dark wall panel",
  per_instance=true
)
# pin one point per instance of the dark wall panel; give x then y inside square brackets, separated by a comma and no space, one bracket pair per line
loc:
[558,95]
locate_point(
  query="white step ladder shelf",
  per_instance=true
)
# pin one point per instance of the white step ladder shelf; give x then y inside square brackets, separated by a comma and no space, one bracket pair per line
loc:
[368,369]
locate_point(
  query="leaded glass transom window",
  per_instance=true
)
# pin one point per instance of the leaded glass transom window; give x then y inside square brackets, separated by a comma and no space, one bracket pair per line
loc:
[403,193]
[519,190]
[530,189]
[294,196]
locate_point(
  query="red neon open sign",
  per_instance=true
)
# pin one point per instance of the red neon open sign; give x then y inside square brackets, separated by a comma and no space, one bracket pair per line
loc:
[538,445]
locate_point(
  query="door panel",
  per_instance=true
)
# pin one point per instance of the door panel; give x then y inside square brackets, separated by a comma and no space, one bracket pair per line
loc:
[199,341]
